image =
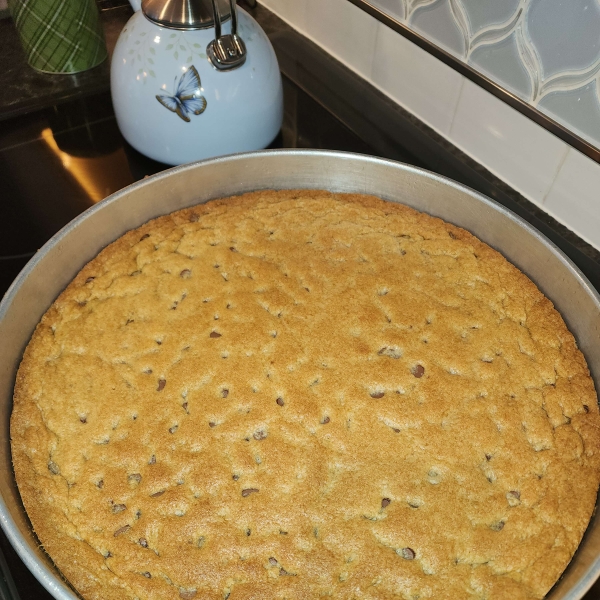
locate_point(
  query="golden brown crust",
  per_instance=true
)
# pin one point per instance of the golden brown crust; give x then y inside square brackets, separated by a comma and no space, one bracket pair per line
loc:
[298,394]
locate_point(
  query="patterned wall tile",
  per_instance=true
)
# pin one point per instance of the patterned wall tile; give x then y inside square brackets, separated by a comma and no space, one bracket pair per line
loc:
[502,61]
[436,21]
[547,52]
[575,107]
[566,35]
[486,13]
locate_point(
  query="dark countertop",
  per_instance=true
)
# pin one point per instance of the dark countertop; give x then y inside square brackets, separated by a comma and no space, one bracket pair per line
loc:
[61,151]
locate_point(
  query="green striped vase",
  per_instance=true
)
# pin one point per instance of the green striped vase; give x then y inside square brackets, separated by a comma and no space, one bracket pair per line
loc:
[59,36]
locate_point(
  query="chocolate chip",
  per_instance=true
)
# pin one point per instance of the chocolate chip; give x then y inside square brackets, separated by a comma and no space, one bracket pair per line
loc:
[282,571]
[161,385]
[235,477]
[407,553]
[586,408]
[273,561]
[173,429]
[53,468]
[233,249]
[280,401]
[146,235]
[434,476]
[212,424]
[260,435]
[488,457]
[83,419]
[117,508]
[215,334]
[513,497]
[185,406]
[108,554]
[90,279]
[377,395]
[143,542]
[187,594]
[157,494]
[497,526]
[100,484]
[391,352]
[134,478]
[152,460]
[396,429]
[325,420]
[249,491]
[385,502]
[248,532]
[121,530]
[418,371]
[147,575]
[185,274]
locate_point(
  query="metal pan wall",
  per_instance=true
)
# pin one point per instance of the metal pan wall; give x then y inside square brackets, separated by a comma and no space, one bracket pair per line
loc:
[53,267]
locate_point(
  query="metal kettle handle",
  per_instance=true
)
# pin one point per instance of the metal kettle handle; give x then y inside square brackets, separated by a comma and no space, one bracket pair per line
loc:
[226,52]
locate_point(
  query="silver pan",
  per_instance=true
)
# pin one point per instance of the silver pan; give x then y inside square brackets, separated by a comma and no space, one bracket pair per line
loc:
[53,267]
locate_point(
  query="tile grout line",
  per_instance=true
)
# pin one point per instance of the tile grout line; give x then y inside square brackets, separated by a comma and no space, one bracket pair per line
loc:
[460,93]
[375,44]
[558,170]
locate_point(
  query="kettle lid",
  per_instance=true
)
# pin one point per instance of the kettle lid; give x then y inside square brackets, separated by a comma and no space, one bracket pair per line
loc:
[184,14]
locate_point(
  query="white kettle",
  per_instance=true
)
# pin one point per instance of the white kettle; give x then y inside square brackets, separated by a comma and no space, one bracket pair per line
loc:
[192,79]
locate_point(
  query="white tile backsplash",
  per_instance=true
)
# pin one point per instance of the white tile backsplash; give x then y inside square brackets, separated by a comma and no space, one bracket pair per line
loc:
[508,143]
[292,11]
[526,156]
[345,31]
[574,198]
[415,79]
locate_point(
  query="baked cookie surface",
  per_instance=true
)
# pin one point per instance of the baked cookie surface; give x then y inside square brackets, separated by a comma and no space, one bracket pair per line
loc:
[301,394]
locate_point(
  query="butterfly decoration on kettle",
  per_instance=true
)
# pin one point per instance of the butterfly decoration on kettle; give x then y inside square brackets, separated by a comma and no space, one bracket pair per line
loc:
[186,99]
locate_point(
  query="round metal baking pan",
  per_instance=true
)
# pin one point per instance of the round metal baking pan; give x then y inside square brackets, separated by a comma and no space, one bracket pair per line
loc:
[53,267]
